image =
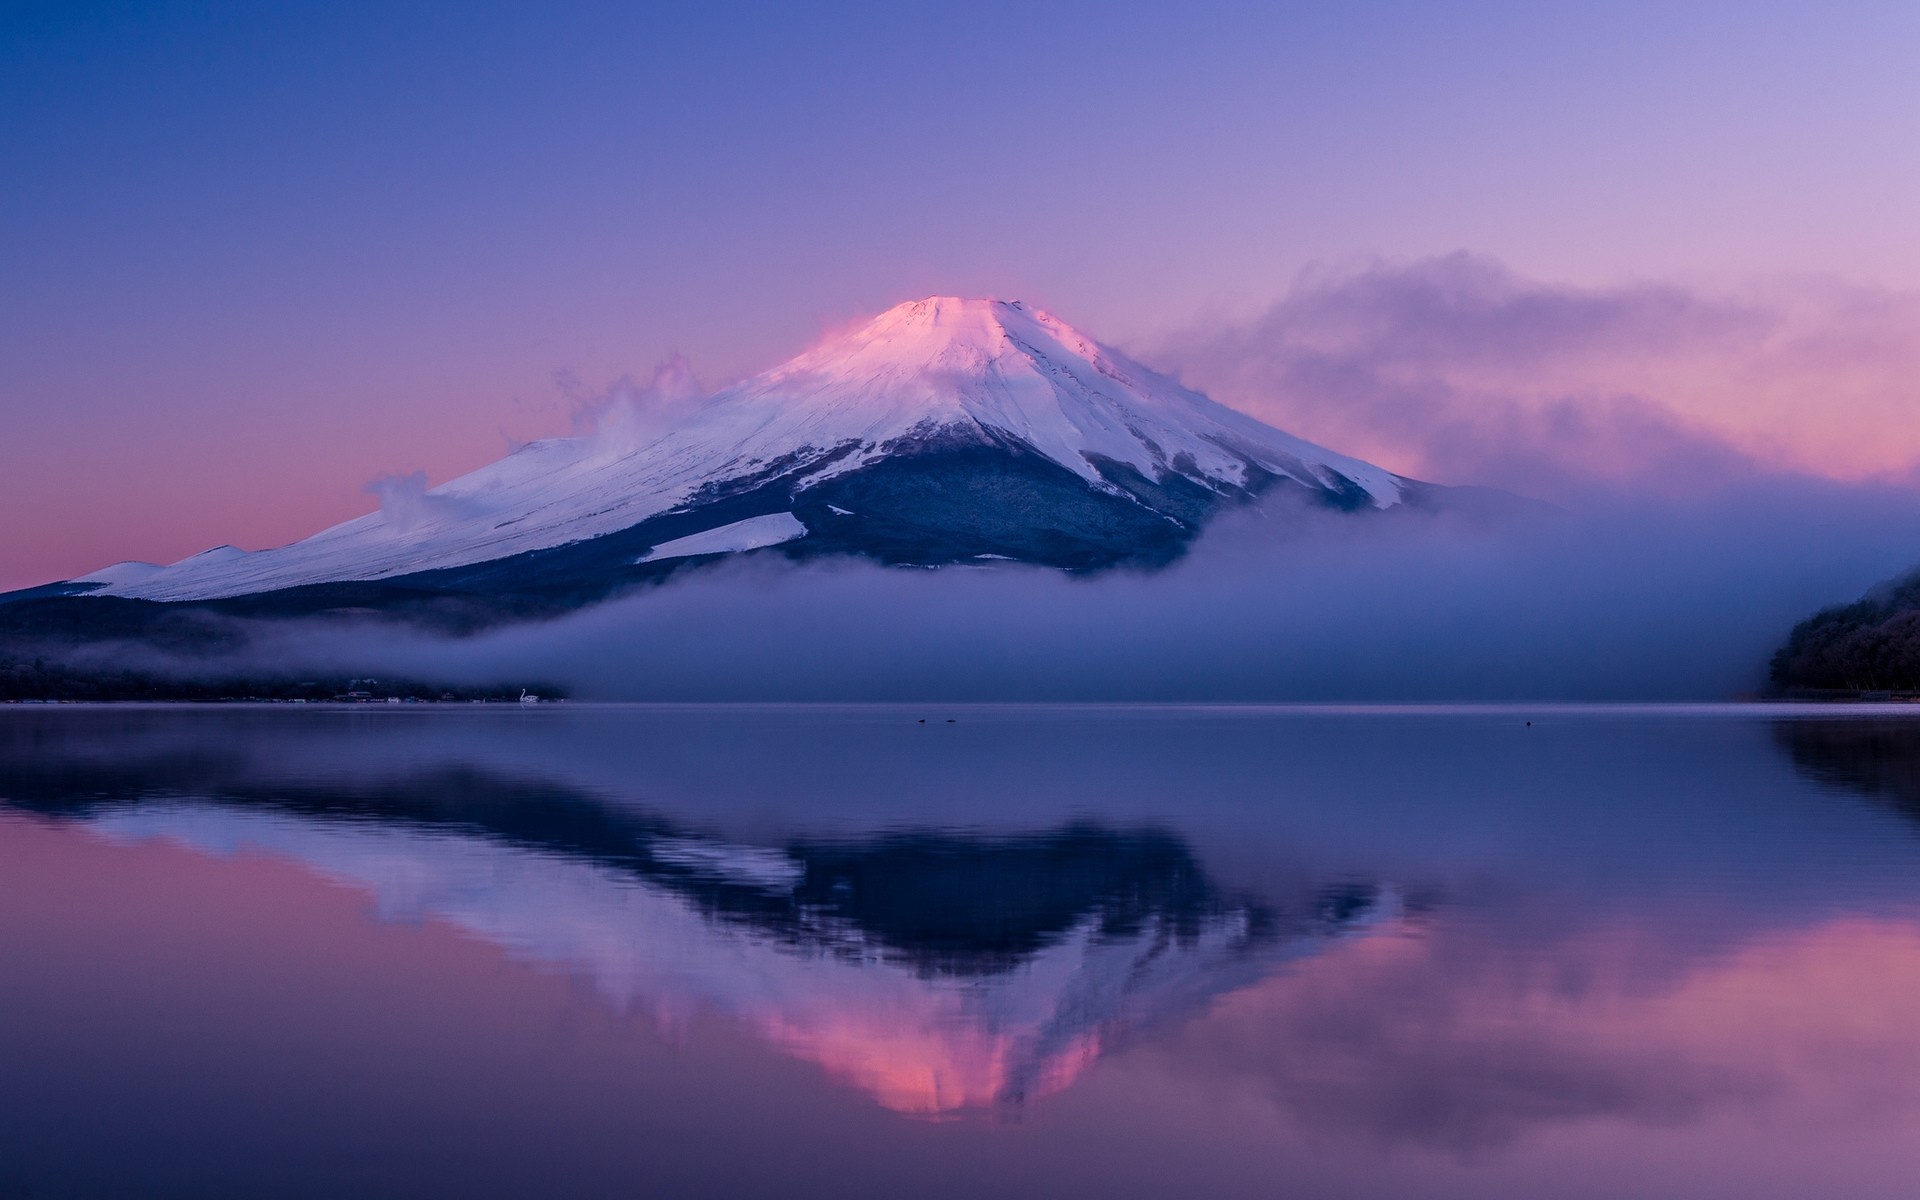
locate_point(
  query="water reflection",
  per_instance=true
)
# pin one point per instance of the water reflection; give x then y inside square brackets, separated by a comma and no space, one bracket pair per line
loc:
[937,970]
[1475,1040]
[1447,954]
[1878,759]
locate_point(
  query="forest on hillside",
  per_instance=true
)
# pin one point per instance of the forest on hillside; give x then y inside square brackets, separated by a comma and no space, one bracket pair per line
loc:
[1872,644]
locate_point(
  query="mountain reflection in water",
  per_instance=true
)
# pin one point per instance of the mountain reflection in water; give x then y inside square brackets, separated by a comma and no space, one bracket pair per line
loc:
[937,970]
[1234,953]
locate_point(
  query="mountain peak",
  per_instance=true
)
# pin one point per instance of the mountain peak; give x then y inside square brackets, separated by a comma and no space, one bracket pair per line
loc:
[935,309]
[948,310]
[937,320]
[942,338]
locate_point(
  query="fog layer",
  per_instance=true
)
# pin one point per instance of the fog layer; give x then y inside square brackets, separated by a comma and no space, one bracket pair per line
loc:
[1278,603]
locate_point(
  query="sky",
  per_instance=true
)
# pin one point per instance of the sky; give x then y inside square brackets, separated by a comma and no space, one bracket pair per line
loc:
[255,258]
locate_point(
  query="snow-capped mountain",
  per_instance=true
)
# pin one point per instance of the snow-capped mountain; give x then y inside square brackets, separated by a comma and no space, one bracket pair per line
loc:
[942,431]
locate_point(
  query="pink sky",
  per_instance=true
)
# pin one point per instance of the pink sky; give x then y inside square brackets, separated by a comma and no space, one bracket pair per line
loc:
[253,264]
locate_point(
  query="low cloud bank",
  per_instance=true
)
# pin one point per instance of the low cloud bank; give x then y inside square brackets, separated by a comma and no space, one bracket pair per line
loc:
[1279,603]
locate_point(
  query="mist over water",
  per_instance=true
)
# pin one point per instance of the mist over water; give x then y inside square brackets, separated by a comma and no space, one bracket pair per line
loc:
[1630,600]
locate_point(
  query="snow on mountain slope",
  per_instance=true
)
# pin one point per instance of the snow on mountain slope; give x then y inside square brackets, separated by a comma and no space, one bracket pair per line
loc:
[750,534]
[923,373]
[122,572]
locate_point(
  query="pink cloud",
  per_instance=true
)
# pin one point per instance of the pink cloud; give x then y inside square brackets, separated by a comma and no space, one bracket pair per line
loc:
[1458,370]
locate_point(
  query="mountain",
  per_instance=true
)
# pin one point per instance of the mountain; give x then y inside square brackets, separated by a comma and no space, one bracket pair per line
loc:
[943,431]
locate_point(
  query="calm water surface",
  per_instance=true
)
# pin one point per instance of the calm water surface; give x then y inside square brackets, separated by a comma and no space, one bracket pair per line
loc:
[798,952]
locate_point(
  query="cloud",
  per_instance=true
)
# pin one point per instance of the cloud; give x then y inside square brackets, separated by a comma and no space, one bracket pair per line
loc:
[629,414]
[406,501]
[1458,370]
[1634,601]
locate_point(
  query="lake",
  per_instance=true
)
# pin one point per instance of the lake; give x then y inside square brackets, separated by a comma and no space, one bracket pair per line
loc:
[959,951]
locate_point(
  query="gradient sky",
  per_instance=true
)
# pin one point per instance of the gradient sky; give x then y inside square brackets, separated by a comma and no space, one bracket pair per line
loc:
[251,259]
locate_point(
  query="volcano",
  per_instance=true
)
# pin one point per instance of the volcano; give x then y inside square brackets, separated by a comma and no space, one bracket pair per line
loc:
[944,431]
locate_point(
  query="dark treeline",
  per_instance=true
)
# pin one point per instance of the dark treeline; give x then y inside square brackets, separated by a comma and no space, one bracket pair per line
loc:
[112,649]
[30,678]
[1872,644]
